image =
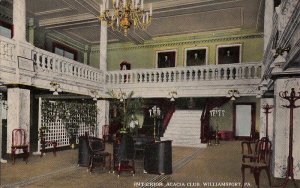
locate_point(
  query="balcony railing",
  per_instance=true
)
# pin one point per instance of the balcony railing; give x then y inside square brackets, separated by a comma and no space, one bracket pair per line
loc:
[7,49]
[48,67]
[186,74]
[47,61]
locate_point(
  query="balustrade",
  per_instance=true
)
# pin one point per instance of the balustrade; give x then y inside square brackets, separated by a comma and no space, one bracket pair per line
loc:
[7,49]
[186,74]
[47,61]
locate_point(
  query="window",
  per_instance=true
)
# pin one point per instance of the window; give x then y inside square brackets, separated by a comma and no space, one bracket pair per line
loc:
[6,29]
[228,54]
[65,51]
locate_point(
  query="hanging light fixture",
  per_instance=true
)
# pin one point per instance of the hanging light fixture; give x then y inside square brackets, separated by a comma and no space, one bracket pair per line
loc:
[94,95]
[233,94]
[55,88]
[172,95]
[124,14]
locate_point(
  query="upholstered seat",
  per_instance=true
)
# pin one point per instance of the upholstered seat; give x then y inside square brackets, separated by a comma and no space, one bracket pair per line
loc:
[97,153]
[19,142]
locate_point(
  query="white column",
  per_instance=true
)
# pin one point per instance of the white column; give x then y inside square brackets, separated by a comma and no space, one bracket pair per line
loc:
[103,46]
[102,115]
[281,128]
[86,55]
[19,20]
[31,28]
[268,21]
[18,114]
[38,152]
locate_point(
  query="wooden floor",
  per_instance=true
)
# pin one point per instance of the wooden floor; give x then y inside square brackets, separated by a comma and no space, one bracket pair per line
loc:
[215,166]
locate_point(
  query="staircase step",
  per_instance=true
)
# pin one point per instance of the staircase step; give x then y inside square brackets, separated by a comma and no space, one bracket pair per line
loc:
[184,129]
[191,145]
[180,134]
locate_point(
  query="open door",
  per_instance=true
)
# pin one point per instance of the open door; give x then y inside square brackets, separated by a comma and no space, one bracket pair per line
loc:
[244,120]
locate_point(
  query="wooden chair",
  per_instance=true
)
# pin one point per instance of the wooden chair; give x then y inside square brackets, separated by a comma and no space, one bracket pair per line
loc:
[45,143]
[249,147]
[97,155]
[259,161]
[105,132]
[19,142]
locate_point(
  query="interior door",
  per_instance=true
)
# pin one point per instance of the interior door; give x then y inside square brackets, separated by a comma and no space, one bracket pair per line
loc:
[244,123]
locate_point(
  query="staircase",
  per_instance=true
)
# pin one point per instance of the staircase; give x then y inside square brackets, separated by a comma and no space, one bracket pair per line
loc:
[184,129]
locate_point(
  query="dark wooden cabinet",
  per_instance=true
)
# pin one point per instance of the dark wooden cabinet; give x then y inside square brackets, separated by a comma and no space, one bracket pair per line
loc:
[83,152]
[158,157]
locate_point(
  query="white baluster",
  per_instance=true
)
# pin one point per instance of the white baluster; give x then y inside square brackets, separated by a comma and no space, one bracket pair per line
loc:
[112,78]
[243,72]
[219,74]
[10,52]
[184,75]
[257,74]
[250,72]
[230,73]
[144,77]
[163,76]
[158,76]
[225,73]
[238,73]
[5,51]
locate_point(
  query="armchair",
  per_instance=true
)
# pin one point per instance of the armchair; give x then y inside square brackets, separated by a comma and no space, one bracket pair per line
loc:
[97,155]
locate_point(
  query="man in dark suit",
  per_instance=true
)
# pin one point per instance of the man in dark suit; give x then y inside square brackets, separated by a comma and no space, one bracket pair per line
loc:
[164,62]
[194,60]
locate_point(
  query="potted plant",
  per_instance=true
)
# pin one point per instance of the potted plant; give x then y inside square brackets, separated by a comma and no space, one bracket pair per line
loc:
[126,107]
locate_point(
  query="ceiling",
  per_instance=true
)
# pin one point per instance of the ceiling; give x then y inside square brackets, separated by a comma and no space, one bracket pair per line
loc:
[77,19]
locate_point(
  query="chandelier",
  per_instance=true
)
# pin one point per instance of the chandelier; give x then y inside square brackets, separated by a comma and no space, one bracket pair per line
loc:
[124,14]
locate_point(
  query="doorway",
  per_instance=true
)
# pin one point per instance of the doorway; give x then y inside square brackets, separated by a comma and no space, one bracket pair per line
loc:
[244,120]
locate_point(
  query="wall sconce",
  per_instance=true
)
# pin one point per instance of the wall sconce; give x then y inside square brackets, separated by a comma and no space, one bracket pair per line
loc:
[55,88]
[94,94]
[232,94]
[280,51]
[121,96]
[280,56]
[172,95]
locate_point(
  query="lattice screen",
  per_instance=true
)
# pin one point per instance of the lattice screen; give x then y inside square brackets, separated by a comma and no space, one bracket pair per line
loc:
[56,129]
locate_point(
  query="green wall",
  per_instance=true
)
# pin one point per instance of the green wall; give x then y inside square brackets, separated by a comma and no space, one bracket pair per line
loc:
[225,123]
[144,55]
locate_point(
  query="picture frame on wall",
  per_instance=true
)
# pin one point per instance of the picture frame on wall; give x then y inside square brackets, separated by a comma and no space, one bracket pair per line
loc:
[196,56]
[165,59]
[229,54]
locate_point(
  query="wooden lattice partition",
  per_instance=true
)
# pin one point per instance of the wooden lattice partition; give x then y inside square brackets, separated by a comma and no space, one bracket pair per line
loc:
[57,116]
